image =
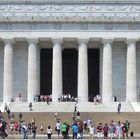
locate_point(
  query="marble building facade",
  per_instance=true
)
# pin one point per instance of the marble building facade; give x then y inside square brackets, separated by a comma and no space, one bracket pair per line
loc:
[27,26]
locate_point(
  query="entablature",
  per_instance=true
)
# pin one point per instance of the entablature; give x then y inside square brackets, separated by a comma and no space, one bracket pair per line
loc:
[64,11]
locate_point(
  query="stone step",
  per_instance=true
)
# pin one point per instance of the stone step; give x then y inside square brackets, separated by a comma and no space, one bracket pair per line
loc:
[69,107]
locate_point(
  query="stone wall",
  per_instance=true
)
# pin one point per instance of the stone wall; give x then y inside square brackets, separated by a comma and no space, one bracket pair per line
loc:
[138,67]
[119,52]
[20,65]
[1,70]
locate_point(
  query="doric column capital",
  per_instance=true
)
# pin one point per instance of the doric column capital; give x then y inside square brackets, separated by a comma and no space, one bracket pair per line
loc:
[107,40]
[32,41]
[8,40]
[131,41]
[83,41]
[57,41]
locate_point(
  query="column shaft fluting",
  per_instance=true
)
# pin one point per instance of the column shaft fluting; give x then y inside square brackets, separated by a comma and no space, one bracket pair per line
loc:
[32,70]
[131,82]
[57,70]
[8,76]
[82,71]
[107,71]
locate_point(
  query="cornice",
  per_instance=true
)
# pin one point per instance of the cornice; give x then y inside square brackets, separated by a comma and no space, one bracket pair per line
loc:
[69,1]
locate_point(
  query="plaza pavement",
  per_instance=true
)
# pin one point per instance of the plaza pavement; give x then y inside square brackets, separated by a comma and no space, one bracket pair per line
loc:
[54,136]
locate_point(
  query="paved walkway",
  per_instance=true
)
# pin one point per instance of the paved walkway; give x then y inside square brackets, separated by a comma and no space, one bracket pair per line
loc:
[54,136]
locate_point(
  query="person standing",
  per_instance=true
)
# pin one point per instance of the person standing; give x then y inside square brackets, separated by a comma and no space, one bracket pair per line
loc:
[127,124]
[49,132]
[78,115]
[111,130]
[8,114]
[67,130]
[3,131]
[41,128]
[20,115]
[91,131]
[118,130]
[119,107]
[80,130]
[99,130]
[64,130]
[30,106]
[5,107]
[105,130]
[56,116]
[75,130]
[25,131]
[33,121]
[123,130]
[75,107]
[58,127]
[34,131]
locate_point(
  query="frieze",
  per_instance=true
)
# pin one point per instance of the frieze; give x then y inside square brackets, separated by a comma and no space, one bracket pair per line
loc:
[69,7]
[70,12]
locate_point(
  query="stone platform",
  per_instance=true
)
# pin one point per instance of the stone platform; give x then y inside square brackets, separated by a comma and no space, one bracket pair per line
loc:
[69,107]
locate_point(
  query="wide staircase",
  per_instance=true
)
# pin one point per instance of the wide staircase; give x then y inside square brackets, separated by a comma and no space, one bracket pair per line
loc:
[47,118]
[97,112]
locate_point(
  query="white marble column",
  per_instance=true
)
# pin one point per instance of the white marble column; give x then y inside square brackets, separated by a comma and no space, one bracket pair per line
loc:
[131,82]
[32,69]
[107,93]
[82,71]
[57,70]
[38,69]
[8,73]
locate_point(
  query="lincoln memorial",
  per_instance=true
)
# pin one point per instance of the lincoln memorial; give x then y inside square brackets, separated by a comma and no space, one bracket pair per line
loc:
[81,47]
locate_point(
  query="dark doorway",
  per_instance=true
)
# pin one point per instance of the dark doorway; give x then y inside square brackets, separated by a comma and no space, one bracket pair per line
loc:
[46,72]
[70,58]
[93,72]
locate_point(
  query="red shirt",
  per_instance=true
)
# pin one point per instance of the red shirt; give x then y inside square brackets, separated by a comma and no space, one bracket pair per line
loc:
[105,129]
[99,128]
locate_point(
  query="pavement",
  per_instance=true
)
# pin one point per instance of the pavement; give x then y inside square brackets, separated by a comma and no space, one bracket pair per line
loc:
[54,136]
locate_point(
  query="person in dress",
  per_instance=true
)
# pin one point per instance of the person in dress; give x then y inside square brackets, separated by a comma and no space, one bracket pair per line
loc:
[118,130]
[91,131]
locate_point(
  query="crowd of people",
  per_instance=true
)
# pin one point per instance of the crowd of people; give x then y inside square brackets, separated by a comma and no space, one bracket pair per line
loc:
[77,129]
[95,99]
[67,98]
[62,98]
[42,98]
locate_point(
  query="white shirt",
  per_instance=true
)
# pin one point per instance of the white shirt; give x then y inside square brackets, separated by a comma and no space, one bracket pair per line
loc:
[88,122]
[49,131]
[55,114]
[58,126]
[119,129]
[91,130]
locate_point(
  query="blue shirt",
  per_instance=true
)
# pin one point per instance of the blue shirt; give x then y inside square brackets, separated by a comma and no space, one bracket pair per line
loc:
[75,129]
